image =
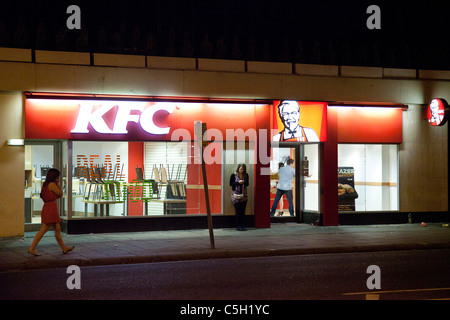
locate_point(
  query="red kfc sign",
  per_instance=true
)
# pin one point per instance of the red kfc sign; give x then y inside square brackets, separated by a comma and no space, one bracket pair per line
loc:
[131,120]
[124,114]
[437,112]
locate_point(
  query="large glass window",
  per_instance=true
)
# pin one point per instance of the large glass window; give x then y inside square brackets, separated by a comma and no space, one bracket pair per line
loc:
[166,163]
[368,177]
[119,179]
[143,179]
[99,177]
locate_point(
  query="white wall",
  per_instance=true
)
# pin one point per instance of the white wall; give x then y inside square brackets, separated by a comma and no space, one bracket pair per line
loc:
[12,165]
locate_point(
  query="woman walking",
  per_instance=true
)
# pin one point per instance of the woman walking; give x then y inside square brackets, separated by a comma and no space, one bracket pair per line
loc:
[50,192]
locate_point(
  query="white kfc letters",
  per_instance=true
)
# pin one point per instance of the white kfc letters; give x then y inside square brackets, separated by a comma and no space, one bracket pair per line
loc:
[87,116]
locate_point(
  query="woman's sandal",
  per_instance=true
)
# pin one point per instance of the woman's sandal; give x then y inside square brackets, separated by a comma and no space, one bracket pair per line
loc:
[68,249]
[33,253]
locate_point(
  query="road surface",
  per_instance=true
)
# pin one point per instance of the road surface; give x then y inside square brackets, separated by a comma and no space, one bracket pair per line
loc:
[421,274]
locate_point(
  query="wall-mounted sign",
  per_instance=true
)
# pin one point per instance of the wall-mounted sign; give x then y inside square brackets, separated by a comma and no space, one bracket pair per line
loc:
[437,112]
[369,124]
[298,121]
[125,112]
[132,120]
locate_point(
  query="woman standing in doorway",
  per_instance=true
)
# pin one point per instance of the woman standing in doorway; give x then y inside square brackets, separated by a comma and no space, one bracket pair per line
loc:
[239,182]
[50,192]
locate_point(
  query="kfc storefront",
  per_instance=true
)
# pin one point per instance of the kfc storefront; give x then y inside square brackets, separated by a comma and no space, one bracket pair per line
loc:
[353,146]
[133,163]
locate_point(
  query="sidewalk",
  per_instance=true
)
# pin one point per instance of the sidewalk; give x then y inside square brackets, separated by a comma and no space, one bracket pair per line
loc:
[159,246]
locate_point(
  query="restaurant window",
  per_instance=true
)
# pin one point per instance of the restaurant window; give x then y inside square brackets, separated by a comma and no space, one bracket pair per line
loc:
[166,163]
[368,177]
[116,179]
[99,177]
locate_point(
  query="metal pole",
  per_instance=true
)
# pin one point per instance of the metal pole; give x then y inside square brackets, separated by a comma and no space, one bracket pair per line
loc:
[200,130]
[208,208]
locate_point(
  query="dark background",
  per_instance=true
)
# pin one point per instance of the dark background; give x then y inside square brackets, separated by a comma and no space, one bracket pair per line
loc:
[412,35]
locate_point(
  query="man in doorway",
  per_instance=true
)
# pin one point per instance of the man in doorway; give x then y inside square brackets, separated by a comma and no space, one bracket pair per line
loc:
[285,177]
[289,112]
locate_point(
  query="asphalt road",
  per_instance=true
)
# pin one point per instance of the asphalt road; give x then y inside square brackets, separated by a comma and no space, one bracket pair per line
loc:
[401,275]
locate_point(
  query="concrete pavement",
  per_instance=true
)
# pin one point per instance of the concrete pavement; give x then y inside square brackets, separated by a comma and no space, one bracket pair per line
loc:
[159,246]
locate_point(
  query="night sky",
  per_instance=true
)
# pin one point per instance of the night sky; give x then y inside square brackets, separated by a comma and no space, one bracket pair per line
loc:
[418,31]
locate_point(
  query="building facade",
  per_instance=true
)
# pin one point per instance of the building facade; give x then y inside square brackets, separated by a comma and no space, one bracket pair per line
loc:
[121,130]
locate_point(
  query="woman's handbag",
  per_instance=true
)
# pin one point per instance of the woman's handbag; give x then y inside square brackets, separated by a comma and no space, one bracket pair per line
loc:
[240,191]
[238,196]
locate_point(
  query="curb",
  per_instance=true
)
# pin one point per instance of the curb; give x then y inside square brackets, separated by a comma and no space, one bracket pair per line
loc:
[35,263]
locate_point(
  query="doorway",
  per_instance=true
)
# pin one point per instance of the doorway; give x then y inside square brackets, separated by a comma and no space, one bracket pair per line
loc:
[40,156]
[305,186]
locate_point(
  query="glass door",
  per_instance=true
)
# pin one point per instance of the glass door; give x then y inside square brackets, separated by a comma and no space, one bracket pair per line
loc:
[310,174]
[40,156]
[280,158]
[305,186]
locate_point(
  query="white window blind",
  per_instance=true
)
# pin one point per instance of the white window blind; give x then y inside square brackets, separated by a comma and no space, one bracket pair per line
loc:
[172,156]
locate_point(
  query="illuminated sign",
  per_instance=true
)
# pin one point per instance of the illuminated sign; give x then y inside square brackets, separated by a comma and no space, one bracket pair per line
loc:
[437,112]
[299,121]
[132,120]
[368,124]
[87,116]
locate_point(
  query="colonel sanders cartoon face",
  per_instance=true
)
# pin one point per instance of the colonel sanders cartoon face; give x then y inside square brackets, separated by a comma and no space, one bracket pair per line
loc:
[290,114]
[434,108]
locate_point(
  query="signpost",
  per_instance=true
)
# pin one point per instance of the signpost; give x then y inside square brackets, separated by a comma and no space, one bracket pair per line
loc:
[200,129]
